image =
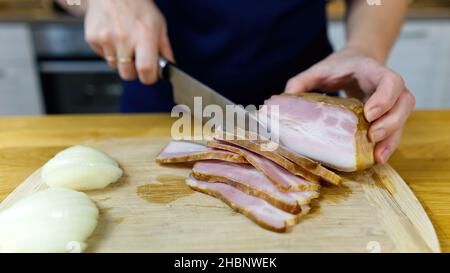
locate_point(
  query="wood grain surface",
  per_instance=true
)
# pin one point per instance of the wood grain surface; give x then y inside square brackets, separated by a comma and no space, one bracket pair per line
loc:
[150,209]
[423,159]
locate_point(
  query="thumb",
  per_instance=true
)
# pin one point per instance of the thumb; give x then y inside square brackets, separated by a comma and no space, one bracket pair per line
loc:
[165,47]
[306,81]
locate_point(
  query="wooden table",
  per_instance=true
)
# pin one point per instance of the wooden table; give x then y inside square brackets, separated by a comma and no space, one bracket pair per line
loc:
[423,158]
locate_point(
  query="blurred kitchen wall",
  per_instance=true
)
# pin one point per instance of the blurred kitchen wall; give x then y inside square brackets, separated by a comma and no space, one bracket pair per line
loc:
[46,67]
[422,53]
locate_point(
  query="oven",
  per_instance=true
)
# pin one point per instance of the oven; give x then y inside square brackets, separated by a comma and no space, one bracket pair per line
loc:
[74,80]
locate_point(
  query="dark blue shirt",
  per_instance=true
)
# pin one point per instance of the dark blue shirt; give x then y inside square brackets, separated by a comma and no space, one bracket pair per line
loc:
[245,49]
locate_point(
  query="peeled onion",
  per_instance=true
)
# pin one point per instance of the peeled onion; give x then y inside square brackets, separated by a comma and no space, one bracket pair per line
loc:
[81,168]
[53,220]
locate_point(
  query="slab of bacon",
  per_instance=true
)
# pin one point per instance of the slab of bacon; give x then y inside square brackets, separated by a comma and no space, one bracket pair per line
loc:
[183,151]
[256,209]
[275,187]
[330,130]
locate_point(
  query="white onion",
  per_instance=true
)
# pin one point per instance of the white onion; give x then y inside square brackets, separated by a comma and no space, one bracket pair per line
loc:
[81,168]
[53,220]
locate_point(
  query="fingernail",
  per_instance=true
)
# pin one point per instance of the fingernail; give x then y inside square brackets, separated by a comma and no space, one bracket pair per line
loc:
[378,135]
[373,113]
[385,155]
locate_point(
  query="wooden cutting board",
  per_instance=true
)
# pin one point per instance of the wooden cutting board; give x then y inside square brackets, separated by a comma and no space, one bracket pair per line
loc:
[151,210]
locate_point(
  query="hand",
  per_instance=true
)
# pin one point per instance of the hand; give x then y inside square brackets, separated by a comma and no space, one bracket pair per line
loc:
[388,102]
[130,35]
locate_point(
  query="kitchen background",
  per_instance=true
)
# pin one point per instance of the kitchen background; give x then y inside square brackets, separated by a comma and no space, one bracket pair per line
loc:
[47,68]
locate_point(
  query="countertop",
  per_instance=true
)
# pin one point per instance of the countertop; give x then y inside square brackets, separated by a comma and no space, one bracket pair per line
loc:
[423,158]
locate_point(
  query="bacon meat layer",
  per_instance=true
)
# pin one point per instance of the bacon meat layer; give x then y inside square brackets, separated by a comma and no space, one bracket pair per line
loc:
[256,209]
[251,181]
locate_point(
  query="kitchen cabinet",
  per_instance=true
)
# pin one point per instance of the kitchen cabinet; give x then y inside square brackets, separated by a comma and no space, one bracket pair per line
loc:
[421,56]
[20,93]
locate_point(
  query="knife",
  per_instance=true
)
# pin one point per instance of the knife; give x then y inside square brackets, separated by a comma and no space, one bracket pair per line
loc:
[185,88]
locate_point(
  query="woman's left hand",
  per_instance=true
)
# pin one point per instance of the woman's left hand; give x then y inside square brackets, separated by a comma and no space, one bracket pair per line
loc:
[388,102]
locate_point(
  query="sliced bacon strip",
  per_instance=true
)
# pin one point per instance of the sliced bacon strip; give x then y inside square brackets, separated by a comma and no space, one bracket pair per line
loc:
[291,161]
[258,210]
[282,178]
[251,181]
[183,151]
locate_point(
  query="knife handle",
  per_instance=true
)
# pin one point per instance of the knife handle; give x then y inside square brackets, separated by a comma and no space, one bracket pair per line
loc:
[162,65]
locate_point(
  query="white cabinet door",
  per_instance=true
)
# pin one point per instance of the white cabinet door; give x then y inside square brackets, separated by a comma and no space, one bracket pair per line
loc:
[421,56]
[20,93]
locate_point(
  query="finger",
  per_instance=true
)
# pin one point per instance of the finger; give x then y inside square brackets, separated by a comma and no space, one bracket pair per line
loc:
[109,50]
[394,119]
[146,59]
[306,81]
[98,49]
[94,43]
[125,62]
[389,89]
[165,47]
[385,148]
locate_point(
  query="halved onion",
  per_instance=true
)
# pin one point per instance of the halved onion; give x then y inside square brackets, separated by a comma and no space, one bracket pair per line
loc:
[53,220]
[81,168]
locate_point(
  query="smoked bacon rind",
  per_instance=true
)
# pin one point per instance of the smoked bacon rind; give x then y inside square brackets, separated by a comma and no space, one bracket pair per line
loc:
[183,151]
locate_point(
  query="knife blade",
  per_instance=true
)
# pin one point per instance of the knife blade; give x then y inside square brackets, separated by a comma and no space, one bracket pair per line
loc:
[186,88]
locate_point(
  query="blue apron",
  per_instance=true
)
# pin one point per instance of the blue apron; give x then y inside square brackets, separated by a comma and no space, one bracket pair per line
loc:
[245,49]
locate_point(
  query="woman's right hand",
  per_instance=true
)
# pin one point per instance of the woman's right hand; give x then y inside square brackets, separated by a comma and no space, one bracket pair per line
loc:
[130,35]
